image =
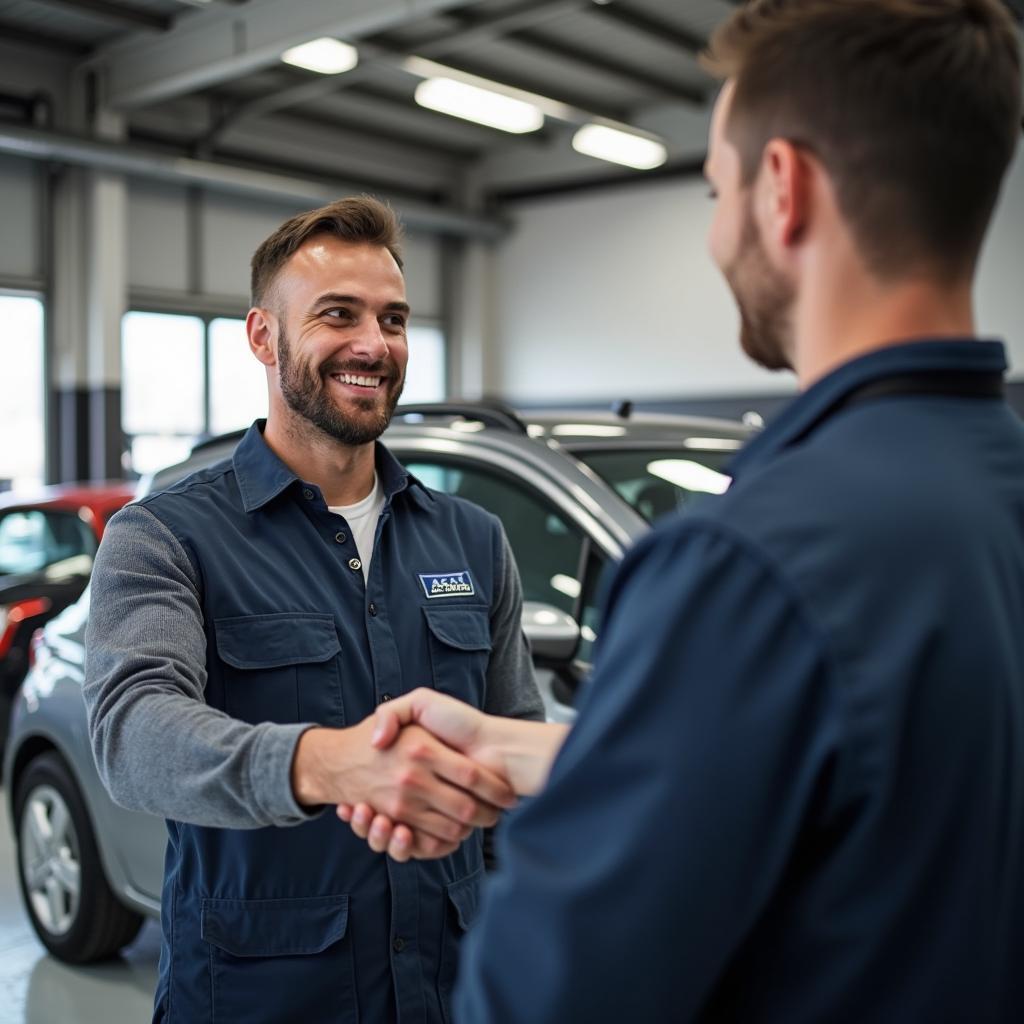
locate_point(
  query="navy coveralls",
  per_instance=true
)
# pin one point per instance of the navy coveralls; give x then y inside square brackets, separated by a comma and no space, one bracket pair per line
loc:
[795,792]
[305,924]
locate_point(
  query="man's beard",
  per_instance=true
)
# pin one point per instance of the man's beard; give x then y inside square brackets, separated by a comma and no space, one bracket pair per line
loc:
[765,301]
[307,393]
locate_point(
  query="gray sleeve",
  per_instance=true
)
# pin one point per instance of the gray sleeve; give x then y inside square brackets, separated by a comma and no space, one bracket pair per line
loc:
[511,684]
[158,746]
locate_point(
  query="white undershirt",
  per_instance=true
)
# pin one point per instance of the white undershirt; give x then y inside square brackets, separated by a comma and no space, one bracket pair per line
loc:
[362,522]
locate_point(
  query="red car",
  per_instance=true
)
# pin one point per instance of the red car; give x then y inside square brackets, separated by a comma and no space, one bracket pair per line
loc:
[47,543]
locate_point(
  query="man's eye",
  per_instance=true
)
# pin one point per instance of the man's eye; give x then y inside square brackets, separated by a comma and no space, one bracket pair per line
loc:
[337,313]
[395,320]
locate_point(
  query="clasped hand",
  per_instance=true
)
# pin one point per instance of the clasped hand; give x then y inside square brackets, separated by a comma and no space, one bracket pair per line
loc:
[518,753]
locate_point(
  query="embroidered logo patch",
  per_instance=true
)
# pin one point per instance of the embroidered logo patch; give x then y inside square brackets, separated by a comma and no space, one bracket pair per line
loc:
[447,584]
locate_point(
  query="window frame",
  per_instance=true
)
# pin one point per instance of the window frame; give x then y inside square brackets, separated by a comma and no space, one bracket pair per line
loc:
[11,289]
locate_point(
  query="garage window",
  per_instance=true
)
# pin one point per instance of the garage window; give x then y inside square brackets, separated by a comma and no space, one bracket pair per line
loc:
[21,440]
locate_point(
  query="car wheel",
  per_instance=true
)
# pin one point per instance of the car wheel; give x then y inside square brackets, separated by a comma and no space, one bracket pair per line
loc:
[64,889]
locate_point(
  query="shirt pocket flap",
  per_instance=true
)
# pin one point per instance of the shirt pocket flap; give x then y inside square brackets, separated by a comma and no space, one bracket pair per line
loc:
[269,641]
[298,927]
[465,897]
[467,629]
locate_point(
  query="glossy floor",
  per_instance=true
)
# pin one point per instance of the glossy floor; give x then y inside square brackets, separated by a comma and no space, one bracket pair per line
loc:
[36,989]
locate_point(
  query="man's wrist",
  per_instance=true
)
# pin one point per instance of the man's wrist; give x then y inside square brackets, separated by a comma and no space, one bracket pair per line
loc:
[309,778]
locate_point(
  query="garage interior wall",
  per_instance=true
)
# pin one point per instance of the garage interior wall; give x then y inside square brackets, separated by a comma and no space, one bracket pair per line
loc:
[191,249]
[627,304]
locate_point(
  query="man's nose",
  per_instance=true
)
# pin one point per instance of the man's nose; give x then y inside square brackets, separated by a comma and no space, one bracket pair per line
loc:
[369,341]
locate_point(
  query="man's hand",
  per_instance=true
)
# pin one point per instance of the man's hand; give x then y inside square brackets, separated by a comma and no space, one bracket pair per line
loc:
[415,778]
[517,750]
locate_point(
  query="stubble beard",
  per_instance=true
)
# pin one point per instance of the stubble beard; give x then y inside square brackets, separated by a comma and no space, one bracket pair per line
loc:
[307,393]
[765,301]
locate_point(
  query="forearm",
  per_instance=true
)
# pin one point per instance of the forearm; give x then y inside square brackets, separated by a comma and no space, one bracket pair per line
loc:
[169,755]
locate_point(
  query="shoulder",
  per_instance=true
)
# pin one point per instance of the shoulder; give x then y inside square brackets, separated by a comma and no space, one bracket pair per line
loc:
[182,499]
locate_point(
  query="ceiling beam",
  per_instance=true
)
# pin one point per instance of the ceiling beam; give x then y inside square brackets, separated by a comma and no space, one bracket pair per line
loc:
[33,144]
[656,29]
[660,88]
[55,44]
[114,14]
[214,45]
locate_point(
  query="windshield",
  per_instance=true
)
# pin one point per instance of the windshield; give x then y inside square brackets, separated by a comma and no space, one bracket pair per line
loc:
[661,480]
[33,540]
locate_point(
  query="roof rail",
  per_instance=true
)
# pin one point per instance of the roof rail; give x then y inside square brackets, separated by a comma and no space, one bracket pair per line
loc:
[219,439]
[489,411]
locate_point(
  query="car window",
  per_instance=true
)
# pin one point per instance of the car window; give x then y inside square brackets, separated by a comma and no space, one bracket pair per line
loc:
[551,552]
[657,482]
[32,540]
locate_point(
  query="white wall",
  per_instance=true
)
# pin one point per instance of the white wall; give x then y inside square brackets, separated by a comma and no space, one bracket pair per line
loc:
[1000,292]
[612,294]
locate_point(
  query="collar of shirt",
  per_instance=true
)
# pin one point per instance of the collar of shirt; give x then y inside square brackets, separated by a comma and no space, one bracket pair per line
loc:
[968,356]
[262,476]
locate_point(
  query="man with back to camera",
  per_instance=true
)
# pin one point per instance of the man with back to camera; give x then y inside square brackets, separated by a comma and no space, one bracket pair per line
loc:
[244,625]
[795,790]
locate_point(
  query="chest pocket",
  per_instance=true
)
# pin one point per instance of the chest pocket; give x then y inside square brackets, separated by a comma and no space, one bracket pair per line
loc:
[460,650]
[280,668]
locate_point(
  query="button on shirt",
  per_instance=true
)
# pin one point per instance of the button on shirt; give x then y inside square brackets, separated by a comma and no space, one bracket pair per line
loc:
[362,521]
[795,791]
[226,618]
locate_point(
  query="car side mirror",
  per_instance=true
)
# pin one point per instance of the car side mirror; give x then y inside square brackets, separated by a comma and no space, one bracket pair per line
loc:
[554,635]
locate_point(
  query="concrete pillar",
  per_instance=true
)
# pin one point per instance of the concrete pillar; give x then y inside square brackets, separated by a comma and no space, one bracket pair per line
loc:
[107,296]
[468,284]
[89,296]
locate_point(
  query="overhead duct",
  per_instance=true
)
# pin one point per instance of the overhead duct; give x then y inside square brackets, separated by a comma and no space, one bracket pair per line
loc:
[34,144]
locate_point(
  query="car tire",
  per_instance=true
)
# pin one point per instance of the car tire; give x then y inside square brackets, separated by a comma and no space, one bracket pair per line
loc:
[63,886]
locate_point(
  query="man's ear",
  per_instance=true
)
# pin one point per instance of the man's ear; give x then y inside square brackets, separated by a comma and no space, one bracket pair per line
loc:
[261,327]
[785,193]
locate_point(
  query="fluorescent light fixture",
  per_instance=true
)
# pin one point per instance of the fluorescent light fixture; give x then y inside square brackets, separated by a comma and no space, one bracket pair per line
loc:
[691,476]
[325,55]
[423,68]
[619,147]
[713,444]
[483,106]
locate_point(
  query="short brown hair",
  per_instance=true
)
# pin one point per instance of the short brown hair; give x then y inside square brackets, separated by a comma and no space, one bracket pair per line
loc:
[912,106]
[359,219]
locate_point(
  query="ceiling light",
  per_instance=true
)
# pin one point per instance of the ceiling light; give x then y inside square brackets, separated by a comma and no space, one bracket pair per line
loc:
[326,56]
[619,147]
[473,103]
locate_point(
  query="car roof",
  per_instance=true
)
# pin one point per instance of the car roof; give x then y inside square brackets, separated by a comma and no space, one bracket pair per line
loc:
[498,424]
[97,496]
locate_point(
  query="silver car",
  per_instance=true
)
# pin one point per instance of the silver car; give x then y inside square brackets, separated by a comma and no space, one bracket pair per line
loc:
[573,491]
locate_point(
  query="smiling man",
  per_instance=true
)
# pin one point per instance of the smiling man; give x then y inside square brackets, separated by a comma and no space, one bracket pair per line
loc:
[244,626]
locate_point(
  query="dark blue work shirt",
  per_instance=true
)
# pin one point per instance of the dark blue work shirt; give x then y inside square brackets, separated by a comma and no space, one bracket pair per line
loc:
[795,792]
[229,613]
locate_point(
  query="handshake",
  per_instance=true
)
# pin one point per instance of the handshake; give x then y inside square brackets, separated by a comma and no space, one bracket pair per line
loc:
[418,776]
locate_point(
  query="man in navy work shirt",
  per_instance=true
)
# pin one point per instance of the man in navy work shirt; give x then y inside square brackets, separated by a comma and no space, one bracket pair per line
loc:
[244,625]
[795,790]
